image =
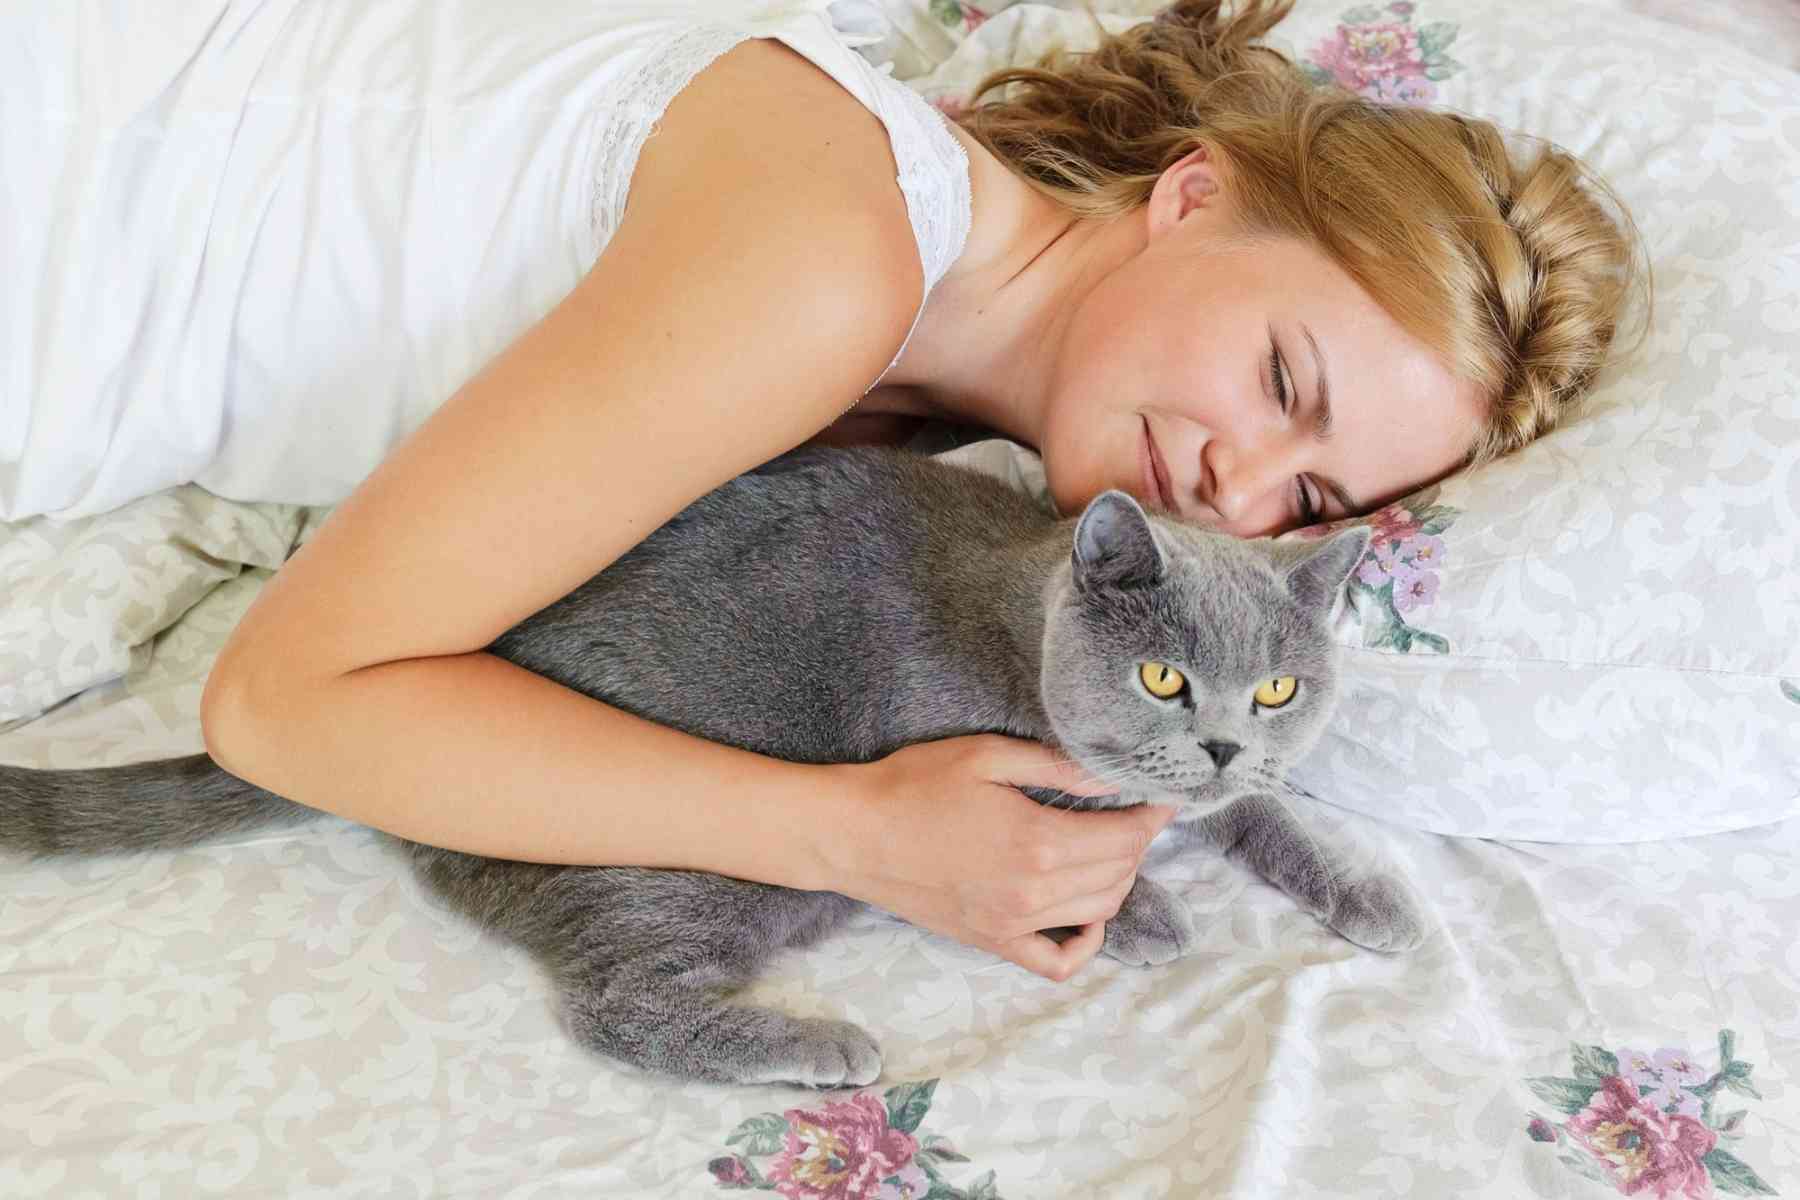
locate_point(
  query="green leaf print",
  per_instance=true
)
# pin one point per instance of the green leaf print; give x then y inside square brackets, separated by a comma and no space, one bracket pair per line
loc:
[1435,36]
[947,11]
[1733,1176]
[1594,1062]
[907,1104]
[760,1134]
[1568,1095]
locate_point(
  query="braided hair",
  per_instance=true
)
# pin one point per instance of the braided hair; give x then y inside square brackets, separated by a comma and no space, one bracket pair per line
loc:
[1515,269]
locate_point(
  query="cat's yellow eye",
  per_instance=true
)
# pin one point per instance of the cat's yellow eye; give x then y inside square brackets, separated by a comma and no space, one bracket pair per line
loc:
[1161,680]
[1277,692]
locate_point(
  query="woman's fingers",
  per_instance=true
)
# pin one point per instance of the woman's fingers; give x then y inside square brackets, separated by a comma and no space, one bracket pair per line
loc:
[1086,907]
[1021,763]
[1041,956]
[1065,840]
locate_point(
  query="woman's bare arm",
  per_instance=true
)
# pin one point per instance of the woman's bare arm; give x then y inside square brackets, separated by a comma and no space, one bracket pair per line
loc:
[765,272]
[763,275]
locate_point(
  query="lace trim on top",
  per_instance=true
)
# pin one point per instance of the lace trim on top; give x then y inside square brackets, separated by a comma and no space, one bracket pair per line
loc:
[934,178]
[933,169]
[635,104]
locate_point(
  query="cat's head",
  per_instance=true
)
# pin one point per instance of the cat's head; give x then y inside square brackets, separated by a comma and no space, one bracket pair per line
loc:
[1190,665]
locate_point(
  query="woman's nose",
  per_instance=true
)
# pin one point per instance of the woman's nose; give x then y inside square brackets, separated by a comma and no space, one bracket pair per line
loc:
[1244,476]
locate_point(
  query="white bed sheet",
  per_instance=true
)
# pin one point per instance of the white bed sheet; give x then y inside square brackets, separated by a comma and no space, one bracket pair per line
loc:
[288,1015]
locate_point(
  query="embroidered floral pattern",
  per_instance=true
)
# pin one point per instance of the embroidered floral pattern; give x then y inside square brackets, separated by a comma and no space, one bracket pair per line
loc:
[1398,576]
[1644,1122]
[1379,53]
[860,1148]
[1791,690]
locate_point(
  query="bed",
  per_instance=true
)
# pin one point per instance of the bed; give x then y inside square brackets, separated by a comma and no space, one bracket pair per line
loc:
[1594,782]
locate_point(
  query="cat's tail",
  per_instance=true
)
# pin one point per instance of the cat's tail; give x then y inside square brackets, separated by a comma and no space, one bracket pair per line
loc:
[143,806]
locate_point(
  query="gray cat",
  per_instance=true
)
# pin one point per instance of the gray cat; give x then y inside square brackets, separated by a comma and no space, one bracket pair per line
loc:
[835,606]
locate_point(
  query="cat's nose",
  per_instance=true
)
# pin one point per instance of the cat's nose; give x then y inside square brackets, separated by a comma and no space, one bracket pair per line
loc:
[1221,752]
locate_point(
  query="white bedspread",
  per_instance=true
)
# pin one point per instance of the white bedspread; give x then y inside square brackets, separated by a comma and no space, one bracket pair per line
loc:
[289,1015]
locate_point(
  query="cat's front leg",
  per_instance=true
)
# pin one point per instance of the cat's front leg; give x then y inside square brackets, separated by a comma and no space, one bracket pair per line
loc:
[1152,927]
[1369,906]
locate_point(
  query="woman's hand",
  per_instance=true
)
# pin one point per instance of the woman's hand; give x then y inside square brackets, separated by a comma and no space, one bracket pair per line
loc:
[952,845]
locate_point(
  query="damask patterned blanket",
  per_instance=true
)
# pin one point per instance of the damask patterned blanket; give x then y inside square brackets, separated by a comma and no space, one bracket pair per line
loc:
[288,1015]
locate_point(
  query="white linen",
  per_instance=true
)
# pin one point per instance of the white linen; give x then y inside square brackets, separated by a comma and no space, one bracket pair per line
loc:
[252,246]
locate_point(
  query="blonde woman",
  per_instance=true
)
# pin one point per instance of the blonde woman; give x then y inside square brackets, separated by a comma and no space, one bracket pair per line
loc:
[1172,266]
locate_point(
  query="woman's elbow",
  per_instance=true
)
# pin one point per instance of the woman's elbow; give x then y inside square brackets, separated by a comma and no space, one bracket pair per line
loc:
[232,717]
[221,716]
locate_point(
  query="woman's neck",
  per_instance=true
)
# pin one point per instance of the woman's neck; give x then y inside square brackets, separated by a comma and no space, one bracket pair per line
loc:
[981,353]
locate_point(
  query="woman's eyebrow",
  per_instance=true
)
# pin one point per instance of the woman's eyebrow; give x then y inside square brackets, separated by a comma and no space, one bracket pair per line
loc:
[1322,423]
[1322,426]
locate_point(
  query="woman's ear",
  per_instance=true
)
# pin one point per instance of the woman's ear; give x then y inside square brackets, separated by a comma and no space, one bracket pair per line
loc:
[1186,186]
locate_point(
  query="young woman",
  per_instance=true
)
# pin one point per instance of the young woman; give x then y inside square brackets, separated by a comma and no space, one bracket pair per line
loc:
[1172,266]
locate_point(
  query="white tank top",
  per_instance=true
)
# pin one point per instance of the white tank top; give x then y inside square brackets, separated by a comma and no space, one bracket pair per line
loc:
[253,243]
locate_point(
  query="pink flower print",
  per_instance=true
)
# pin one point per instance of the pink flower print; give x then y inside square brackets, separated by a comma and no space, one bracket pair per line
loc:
[1384,563]
[1644,1152]
[911,1184]
[1639,1066]
[1417,590]
[1679,1066]
[1670,1097]
[1401,8]
[1413,89]
[951,106]
[1360,55]
[841,1151]
[1394,524]
[972,16]
[1675,1069]
[730,1172]
[1424,551]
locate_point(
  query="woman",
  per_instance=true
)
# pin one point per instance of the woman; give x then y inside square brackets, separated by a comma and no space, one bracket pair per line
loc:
[1182,272]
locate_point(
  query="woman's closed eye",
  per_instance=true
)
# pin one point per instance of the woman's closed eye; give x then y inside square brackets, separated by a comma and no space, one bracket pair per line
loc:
[1308,510]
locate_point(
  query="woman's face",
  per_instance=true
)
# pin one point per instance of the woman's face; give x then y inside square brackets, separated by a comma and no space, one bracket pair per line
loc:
[1195,376]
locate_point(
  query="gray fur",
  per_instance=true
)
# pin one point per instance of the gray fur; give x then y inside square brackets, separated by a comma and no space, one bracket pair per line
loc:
[834,607]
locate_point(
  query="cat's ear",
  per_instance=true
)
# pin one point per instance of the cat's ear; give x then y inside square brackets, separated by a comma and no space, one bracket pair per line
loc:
[1114,545]
[1314,581]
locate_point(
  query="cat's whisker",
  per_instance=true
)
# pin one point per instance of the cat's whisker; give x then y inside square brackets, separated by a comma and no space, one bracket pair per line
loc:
[1120,758]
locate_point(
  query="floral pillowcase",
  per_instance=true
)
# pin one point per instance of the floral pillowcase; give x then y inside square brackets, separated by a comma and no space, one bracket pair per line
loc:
[1598,638]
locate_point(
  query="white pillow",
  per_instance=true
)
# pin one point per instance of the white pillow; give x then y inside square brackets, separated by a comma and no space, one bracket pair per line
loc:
[1603,643]
[85,597]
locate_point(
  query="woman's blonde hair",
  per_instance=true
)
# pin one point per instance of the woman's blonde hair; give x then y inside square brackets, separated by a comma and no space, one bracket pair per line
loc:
[1516,273]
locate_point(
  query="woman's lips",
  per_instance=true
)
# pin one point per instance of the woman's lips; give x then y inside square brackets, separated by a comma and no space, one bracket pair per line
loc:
[1158,471]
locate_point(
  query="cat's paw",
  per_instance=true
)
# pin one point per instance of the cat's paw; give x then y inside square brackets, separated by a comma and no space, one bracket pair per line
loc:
[1152,927]
[1379,914]
[817,1053]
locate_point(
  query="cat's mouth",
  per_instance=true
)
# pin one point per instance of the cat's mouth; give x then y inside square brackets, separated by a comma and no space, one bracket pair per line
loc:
[1193,803]
[1193,796]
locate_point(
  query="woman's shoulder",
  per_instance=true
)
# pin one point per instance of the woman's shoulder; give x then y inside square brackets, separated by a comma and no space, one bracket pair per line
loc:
[765,145]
